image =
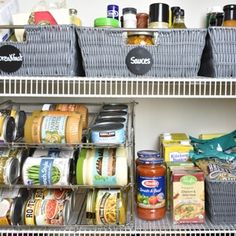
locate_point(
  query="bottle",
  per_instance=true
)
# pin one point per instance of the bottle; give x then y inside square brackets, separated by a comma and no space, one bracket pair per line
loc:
[113,11]
[150,197]
[213,15]
[179,20]
[158,15]
[173,9]
[129,17]
[142,20]
[74,19]
[229,15]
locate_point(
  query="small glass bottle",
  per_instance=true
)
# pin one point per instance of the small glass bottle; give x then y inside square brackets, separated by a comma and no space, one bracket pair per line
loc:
[129,17]
[179,20]
[213,15]
[74,19]
[173,10]
[151,180]
[229,15]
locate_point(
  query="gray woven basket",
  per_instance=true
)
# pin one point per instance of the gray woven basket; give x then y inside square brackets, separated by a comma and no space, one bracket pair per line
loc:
[48,51]
[220,53]
[176,53]
[221,201]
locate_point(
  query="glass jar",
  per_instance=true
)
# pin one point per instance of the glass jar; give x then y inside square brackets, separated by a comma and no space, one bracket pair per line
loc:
[151,204]
[140,38]
[229,16]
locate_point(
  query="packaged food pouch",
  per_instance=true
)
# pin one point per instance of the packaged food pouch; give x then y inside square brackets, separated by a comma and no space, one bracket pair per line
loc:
[220,144]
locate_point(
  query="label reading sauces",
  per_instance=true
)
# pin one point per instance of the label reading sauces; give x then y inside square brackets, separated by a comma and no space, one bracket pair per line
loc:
[151,192]
[53,129]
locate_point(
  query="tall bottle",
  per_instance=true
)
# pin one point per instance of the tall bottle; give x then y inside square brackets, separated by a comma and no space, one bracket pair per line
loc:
[179,22]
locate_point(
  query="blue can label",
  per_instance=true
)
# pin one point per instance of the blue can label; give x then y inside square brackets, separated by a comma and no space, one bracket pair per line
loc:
[45,175]
[151,192]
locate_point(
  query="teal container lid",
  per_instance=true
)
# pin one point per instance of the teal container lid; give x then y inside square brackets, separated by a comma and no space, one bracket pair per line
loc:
[106,22]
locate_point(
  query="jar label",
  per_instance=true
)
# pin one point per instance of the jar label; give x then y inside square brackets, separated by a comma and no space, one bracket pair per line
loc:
[151,192]
[104,167]
[53,129]
[45,174]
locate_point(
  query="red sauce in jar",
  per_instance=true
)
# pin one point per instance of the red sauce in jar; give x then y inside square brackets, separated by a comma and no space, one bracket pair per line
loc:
[150,185]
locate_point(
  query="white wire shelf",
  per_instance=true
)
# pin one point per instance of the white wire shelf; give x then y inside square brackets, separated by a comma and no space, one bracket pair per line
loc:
[201,87]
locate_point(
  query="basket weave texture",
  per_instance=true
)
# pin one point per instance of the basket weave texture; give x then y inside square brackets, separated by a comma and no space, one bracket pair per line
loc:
[176,53]
[48,51]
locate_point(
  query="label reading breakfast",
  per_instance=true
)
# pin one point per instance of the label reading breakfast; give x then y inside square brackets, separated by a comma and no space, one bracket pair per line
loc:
[53,129]
[151,192]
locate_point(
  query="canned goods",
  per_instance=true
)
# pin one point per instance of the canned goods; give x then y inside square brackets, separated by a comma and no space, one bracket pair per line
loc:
[10,211]
[53,152]
[20,118]
[46,171]
[61,127]
[109,207]
[7,127]
[115,107]
[112,114]
[108,133]
[107,167]
[9,170]
[46,211]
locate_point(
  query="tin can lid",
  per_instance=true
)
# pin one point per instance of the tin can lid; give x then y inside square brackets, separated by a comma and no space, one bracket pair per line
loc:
[16,209]
[8,128]
[149,157]
[113,119]
[20,123]
[12,170]
[115,107]
[140,33]
[66,211]
[106,22]
[113,113]
[79,166]
[107,127]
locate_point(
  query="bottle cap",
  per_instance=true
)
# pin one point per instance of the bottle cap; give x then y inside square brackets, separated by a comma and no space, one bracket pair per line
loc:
[129,10]
[149,157]
[179,12]
[106,22]
[72,11]
[159,12]
[229,12]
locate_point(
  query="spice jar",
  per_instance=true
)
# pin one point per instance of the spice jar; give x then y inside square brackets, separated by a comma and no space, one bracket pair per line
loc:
[129,17]
[229,16]
[150,185]
[140,38]
[158,15]
[142,20]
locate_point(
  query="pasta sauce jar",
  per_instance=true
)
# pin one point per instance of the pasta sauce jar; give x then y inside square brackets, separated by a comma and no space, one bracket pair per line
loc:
[150,185]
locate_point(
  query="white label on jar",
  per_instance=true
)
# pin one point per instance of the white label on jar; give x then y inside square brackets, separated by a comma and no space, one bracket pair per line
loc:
[53,129]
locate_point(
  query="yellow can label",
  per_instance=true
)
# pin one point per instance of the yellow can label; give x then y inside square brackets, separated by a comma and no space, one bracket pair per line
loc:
[30,212]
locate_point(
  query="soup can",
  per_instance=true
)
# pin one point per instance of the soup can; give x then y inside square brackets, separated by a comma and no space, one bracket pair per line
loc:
[10,211]
[9,170]
[54,152]
[28,212]
[112,114]
[46,171]
[108,133]
[115,107]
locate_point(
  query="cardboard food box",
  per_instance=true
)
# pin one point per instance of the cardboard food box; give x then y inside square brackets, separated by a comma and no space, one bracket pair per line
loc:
[188,196]
[171,166]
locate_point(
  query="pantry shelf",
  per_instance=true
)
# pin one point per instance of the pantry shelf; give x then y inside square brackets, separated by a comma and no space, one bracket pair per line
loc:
[200,87]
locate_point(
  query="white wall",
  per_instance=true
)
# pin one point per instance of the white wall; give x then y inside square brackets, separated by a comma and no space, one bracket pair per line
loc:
[195,11]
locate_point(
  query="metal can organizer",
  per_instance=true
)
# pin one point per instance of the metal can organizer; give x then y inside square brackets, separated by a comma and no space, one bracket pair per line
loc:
[9,170]
[115,107]
[47,208]
[10,211]
[108,133]
[46,171]
[106,207]
[107,167]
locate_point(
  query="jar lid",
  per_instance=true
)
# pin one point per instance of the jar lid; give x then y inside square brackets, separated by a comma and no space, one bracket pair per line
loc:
[229,12]
[129,10]
[149,157]
[140,33]
[159,12]
[104,22]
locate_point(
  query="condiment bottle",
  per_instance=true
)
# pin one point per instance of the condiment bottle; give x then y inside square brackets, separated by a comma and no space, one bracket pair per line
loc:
[150,185]
[172,12]
[213,15]
[229,15]
[142,20]
[113,11]
[129,17]
[179,19]
[158,15]
[74,19]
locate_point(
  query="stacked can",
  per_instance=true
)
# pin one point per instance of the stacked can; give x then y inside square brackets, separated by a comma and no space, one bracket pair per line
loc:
[110,125]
